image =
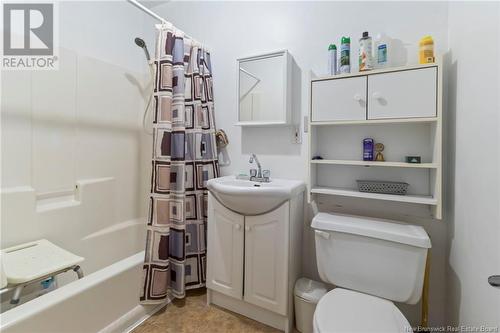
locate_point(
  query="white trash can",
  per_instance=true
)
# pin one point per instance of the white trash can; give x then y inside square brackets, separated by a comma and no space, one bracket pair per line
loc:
[307,296]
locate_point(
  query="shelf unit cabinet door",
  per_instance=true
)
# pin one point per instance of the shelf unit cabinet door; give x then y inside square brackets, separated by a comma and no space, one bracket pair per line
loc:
[405,94]
[266,259]
[224,250]
[339,99]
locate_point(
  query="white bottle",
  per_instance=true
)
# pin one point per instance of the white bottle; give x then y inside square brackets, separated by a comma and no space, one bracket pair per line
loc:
[365,53]
[382,47]
[332,59]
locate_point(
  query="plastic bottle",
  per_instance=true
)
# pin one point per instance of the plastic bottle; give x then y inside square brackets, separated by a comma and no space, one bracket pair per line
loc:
[332,59]
[381,51]
[345,55]
[368,144]
[365,53]
[426,50]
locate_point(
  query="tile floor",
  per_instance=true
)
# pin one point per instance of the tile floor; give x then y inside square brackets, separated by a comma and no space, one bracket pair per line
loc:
[192,315]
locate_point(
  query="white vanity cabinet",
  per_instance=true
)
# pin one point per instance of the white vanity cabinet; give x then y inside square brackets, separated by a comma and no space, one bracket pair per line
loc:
[253,261]
[266,254]
[225,238]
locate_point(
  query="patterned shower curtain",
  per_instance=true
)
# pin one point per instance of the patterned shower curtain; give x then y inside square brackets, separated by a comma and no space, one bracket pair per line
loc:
[184,158]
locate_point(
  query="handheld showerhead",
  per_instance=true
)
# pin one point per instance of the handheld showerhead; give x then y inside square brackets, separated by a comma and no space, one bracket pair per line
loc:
[140,42]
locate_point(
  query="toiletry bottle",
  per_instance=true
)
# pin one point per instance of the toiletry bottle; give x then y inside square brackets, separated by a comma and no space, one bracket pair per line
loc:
[365,52]
[345,55]
[332,59]
[426,50]
[381,51]
[368,149]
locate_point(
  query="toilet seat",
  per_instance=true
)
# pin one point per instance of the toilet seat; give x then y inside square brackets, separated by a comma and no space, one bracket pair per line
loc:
[343,310]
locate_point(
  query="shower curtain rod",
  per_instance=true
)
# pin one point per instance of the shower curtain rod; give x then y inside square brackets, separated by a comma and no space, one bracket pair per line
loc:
[156,16]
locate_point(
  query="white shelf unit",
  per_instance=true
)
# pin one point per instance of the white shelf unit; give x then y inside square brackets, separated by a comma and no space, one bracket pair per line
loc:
[400,107]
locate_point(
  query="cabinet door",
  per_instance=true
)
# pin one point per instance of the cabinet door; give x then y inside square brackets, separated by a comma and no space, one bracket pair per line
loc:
[266,259]
[405,94]
[224,249]
[339,99]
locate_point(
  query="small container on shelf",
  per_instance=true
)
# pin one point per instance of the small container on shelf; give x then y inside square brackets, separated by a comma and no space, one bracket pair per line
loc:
[385,187]
[368,149]
[332,59]
[426,50]
[345,55]
[413,159]
[381,51]
[365,53]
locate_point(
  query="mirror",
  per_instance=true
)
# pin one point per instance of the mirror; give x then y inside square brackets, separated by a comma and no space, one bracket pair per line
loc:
[263,90]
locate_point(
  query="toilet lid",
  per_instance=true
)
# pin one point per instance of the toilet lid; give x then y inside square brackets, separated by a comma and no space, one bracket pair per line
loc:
[343,310]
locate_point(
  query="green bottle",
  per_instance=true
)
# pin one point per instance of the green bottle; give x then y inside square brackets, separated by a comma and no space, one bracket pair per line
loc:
[345,55]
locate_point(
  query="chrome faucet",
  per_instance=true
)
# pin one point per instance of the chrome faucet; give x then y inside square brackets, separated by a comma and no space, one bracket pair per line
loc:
[258,175]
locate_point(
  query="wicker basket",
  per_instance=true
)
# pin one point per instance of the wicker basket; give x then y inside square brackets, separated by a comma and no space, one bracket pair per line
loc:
[374,186]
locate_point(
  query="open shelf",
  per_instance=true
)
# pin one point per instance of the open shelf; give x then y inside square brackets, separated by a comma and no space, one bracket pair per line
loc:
[375,121]
[378,164]
[418,199]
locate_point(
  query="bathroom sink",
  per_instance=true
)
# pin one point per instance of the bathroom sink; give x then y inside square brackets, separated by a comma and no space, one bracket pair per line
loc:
[253,198]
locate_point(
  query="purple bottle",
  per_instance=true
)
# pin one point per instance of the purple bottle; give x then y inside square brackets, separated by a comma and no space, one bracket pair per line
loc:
[368,149]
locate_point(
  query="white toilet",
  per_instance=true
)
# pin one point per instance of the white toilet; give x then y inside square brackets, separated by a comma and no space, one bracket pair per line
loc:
[372,262]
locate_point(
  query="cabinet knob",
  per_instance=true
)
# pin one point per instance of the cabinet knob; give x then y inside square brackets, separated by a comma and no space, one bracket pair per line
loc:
[247,228]
[358,97]
[237,226]
[377,95]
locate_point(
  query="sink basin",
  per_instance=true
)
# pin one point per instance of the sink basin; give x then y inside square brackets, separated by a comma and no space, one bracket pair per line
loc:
[253,198]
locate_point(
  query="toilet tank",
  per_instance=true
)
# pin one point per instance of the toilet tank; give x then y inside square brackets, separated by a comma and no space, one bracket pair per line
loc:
[374,256]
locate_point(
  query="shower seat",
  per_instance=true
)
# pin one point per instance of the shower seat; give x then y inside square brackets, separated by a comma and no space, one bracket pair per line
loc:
[34,262]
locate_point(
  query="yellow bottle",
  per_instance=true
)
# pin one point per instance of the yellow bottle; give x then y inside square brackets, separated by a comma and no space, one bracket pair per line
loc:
[426,50]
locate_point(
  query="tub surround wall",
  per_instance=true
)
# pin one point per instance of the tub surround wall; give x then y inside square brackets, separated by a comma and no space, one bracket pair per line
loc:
[75,162]
[72,144]
[85,224]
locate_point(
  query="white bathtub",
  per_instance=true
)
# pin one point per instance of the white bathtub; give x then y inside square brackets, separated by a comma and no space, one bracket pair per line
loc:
[104,301]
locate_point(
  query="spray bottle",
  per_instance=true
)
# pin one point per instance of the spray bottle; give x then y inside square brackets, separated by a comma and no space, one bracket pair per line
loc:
[332,59]
[345,55]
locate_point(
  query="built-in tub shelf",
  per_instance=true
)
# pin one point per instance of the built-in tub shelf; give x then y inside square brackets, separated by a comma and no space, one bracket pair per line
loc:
[345,192]
[399,107]
[377,164]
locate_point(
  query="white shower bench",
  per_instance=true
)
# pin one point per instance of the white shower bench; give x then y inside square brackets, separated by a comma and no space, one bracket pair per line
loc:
[34,262]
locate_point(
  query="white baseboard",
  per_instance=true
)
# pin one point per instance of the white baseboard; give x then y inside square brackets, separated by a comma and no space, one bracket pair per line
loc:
[251,311]
[132,319]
